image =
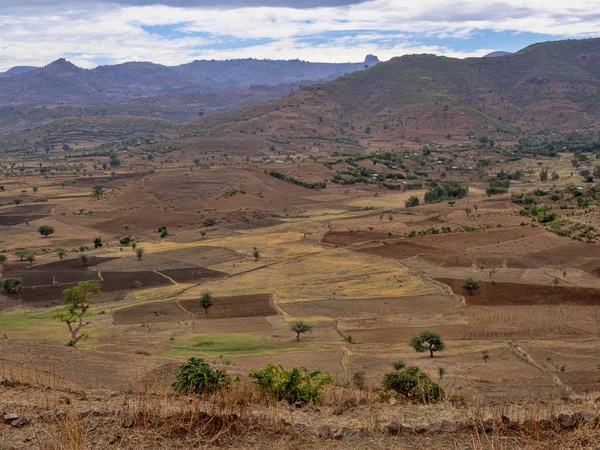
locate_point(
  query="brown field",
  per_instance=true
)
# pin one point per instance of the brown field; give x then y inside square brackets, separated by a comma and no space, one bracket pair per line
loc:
[330,257]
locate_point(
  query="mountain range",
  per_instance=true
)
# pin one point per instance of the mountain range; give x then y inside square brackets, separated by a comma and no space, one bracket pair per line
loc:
[550,87]
[63,82]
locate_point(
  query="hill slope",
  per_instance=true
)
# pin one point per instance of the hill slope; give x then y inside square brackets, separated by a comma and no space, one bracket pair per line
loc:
[418,98]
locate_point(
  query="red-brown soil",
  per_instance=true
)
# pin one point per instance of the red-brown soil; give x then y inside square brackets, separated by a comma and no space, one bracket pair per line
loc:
[352,237]
[256,305]
[407,249]
[524,294]
[151,313]
[192,274]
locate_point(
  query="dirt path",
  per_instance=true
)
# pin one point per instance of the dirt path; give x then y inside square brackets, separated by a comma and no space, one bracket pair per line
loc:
[522,354]
[165,276]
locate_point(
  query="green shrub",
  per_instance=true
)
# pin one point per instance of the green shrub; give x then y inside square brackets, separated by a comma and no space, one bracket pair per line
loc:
[197,377]
[293,385]
[414,384]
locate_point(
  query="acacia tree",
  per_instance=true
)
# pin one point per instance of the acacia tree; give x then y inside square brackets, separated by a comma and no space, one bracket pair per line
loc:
[77,302]
[46,230]
[299,327]
[427,341]
[206,301]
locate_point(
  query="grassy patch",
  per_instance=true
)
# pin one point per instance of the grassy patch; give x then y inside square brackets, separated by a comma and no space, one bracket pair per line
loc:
[234,344]
[22,320]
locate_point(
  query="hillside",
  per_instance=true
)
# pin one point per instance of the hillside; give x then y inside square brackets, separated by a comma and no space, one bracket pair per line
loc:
[177,107]
[420,98]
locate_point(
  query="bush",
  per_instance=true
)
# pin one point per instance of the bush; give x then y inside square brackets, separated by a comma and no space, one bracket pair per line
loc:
[295,385]
[497,187]
[209,222]
[414,384]
[197,377]
[412,201]
[12,285]
[445,190]
[306,184]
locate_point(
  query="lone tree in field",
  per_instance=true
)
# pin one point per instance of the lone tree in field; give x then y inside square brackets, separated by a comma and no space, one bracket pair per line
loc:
[471,286]
[427,341]
[17,201]
[83,259]
[77,303]
[139,251]
[299,327]
[97,192]
[256,254]
[206,301]
[46,230]
[98,242]
[2,258]
[21,253]
[61,252]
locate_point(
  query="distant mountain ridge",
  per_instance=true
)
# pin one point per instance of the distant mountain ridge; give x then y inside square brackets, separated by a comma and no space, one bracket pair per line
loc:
[63,82]
[497,53]
[17,70]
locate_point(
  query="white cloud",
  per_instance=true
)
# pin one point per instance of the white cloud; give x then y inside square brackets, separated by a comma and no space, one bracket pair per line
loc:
[88,32]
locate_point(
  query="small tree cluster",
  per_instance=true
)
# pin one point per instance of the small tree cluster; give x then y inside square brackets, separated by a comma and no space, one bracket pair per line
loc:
[295,385]
[197,377]
[413,384]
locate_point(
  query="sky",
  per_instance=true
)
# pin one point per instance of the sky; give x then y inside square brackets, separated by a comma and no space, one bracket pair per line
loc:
[98,32]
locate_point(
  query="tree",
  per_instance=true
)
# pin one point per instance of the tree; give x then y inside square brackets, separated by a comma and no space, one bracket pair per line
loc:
[544,175]
[202,233]
[2,258]
[61,252]
[17,201]
[30,257]
[485,354]
[77,302]
[97,192]
[163,232]
[21,253]
[46,230]
[12,285]
[83,259]
[206,301]
[467,211]
[139,251]
[427,341]
[98,242]
[471,286]
[299,327]
[35,189]
[256,254]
